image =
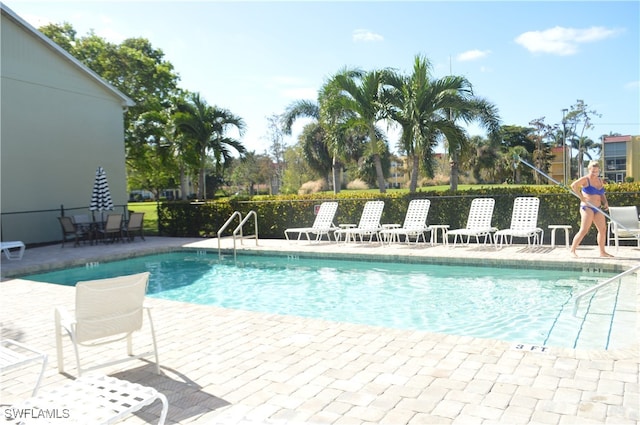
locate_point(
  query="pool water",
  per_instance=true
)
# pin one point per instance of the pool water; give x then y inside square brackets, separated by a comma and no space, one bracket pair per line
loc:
[530,306]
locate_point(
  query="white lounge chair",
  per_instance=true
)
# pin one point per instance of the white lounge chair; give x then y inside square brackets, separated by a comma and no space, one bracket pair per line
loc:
[414,226]
[624,225]
[478,222]
[369,224]
[524,223]
[107,310]
[322,225]
[13,250]
[14,355]
[90,399]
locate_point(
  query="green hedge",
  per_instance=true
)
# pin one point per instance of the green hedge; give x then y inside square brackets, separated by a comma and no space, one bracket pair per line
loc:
[277,213]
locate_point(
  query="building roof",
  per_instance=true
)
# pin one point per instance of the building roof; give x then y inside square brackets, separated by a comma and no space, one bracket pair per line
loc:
[6,11]
[609,139]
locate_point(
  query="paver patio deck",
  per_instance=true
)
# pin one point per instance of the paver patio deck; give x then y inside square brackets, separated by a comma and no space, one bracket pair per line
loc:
[224,366]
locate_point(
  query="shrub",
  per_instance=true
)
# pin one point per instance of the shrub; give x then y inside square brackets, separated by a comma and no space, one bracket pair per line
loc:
[314,186]
[357,184]
[277,213]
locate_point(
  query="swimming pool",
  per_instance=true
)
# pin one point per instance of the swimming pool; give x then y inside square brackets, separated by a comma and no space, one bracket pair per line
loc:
[530,306]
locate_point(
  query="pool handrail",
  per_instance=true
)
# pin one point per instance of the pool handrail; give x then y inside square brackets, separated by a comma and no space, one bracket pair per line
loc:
[239,230]
[582,294]
[224,226]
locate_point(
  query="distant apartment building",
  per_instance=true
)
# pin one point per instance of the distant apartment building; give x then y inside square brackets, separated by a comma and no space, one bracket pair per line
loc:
[621,158]
[558,171]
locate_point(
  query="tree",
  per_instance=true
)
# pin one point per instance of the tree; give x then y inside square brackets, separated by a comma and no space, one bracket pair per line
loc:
[156,162]
[427,110]
[313,141]
[510,159]
[250,170]
[517,141]
[206,127]
[357,95]
[299,170]
[541,136]
[579,117]
[134,67]
[583,145]
[276,150]
[485,162]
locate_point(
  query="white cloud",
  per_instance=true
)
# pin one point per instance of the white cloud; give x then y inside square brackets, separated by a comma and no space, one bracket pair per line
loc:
[632,85]
[562,41]
[366,36]
[471,55]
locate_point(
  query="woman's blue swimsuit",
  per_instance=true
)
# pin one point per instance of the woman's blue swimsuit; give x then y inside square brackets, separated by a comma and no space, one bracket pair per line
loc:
[591,190]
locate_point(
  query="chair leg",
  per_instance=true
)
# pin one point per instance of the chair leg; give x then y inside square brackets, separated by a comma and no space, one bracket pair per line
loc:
[59,342]
[155,344]
[42,371]
[130,344]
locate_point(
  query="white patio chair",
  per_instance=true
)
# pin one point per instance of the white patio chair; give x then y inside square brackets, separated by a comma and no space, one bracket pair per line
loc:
[415,223]
[624,225]
[524,223]
[107,310]
[322,225]
[478,222]
[369,224]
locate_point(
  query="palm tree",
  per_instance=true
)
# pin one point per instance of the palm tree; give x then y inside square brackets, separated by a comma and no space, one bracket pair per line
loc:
[314,138]
[355,97]
[329,142]
[583,145]
[427,110]
[511,161]
[206,126]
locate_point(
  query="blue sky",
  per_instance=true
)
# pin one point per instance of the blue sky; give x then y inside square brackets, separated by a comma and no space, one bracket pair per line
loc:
[531,59]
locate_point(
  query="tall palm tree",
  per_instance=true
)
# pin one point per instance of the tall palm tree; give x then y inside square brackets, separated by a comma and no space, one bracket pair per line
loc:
[427,110]
[357,96]
[314,140]
[206,126]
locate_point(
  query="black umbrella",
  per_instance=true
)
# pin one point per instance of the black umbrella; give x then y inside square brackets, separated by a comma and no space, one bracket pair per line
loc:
[101,198]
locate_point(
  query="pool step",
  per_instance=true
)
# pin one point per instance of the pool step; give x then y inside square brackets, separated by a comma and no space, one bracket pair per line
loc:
[604,320]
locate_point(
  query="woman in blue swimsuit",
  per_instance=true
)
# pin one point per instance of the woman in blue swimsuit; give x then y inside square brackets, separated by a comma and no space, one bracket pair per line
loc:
[590,189]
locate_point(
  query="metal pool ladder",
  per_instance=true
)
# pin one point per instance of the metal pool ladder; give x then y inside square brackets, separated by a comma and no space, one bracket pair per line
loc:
[237,233]
[617,277]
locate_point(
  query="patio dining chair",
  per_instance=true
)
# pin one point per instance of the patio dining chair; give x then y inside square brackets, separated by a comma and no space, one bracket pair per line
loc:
[134,225]
[71,231]
[112,228]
